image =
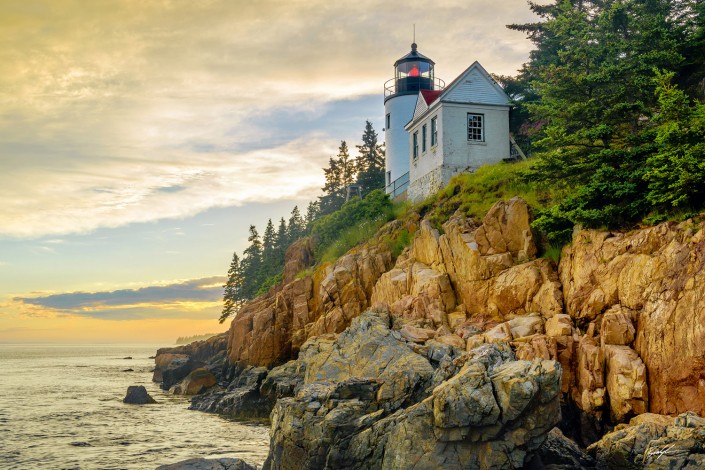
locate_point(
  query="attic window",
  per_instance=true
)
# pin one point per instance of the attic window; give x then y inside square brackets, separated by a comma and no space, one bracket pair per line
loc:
[476,127]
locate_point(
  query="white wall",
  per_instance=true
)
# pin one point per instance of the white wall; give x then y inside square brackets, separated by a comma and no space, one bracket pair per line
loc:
[454,153]
[396,138]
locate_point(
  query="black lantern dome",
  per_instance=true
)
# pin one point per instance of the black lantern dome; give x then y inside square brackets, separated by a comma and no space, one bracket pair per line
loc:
[413,72]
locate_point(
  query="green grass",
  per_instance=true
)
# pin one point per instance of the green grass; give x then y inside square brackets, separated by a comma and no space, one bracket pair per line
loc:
[351,237]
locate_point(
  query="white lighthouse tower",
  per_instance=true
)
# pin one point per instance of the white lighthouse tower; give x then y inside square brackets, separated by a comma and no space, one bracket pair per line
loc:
[412,73]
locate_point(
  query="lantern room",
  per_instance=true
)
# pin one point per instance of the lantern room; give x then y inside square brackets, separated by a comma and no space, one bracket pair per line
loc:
[412,73]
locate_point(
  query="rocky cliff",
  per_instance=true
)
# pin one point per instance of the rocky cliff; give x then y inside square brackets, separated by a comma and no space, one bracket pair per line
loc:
[621,316]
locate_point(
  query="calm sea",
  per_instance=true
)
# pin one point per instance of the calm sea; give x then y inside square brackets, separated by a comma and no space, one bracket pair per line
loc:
[61,408]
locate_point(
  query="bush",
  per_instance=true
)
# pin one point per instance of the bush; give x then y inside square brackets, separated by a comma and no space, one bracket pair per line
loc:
[356,221]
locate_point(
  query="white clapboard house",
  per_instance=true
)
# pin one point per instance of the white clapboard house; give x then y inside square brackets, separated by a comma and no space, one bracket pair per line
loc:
[433,131]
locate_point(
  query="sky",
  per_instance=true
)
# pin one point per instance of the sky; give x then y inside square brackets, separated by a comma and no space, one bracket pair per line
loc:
[140,139]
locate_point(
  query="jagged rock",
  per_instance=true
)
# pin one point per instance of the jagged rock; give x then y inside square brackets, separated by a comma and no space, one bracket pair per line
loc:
[137,395]
[417,335]
[617,327]
[536,346]
[208,464]
[658,273]
[241,399]
[626,382]
[378,414]
[271,329]
[298,257]
[559,325]
[654,441]
[560,453]
[173,364]
[197,381]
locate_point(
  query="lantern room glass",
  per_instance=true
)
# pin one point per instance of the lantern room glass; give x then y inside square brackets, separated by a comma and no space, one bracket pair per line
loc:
[412,76]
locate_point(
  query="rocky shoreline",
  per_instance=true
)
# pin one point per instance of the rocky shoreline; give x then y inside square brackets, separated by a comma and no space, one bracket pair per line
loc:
[466,350]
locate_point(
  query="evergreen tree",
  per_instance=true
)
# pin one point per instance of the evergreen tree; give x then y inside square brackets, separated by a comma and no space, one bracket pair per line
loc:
[232,295]
[370,161]
[676,172]
[311,214]
[296,225]
[270,260]
[339,175]
[592,77]
[251,265]
[281,240]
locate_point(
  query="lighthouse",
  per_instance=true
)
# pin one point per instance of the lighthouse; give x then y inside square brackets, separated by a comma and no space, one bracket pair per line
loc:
[412,74]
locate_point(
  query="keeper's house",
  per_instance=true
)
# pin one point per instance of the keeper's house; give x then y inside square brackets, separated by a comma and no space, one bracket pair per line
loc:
[448,129]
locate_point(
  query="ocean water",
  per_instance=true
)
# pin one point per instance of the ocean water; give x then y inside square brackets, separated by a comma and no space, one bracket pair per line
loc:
[61,408]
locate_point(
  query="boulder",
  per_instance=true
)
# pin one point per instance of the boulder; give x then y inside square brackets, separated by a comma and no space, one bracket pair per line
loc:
[208,464]
[137,395]
[653,441]
[369,402]
[197,381]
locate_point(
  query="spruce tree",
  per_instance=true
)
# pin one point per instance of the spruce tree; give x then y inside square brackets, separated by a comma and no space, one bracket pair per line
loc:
[232,294]
[311,214]
[339,175]
[281,240]
[251,264]
[370,161]
[296,225]
[270,260]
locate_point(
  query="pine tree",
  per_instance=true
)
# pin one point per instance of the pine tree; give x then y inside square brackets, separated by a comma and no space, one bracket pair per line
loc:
[339,175]
[270,260]
[311,214]
[232,295]
[296,225]
[592,79]
[370,161]
[251,264]
[281,240]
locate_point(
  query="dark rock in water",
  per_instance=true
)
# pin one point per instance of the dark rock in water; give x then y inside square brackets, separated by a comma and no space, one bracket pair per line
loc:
[559,453]
[253,391]
[137,395]
[152,357]
[128,357]
[81,444]
[128,370]
[208,464]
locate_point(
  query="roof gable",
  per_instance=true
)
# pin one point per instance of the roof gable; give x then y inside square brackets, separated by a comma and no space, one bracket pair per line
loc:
[420,108]
[475,85]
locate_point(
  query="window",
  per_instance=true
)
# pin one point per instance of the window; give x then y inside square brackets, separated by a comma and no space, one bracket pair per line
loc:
[434,131]
[416,145]
[388,120]
[423,138]
[476,127]
[389,175]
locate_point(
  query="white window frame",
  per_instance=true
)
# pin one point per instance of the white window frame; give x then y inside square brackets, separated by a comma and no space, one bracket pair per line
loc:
[388,120]
[476,127]
[415,145]
[434,131]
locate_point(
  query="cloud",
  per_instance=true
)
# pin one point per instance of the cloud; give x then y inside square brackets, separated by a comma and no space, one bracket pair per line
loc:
[124,111]
[195,298]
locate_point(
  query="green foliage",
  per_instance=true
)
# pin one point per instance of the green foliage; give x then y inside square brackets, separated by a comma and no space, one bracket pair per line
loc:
[269,283]
[370,161]
[340,174]
[233,296]
[553,253]
[676,172]
[398,241]
[356,220]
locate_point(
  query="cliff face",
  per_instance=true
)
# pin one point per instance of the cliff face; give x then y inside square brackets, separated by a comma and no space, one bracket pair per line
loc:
[623,313]
[640,296]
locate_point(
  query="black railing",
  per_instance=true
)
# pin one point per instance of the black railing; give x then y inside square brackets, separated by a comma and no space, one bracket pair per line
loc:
[398,186]
[412,85]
